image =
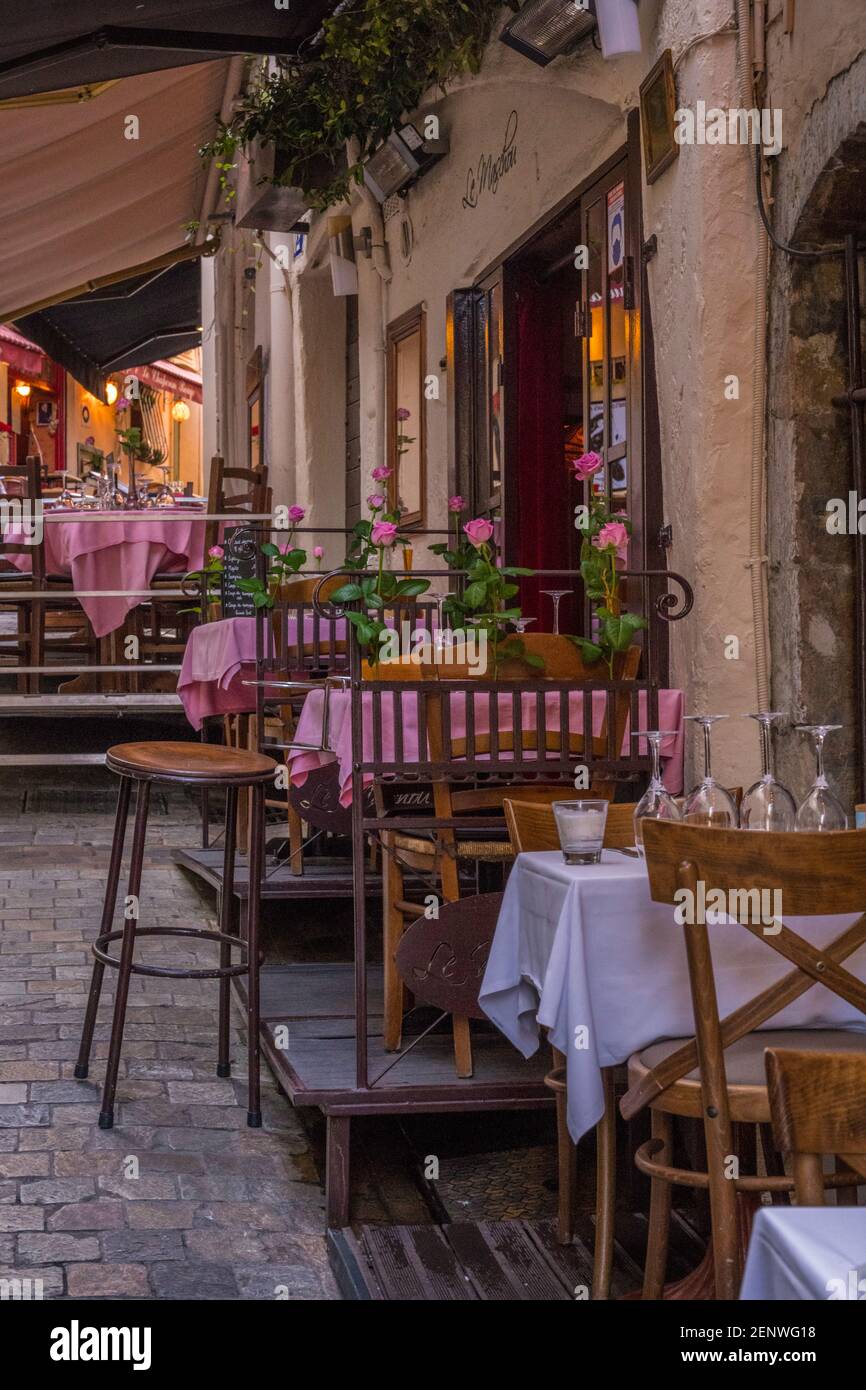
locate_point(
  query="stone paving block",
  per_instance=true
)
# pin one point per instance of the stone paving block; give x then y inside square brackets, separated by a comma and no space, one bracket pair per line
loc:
[141,1246]
[97,1215]
[18,1218]
[286,1283]
[28,1070]
[108,1281]
[41,1247]
[53,1137]
[44,1281]
[147,1189]
[197,1280]
[201,1093]
[54,1190]
[23,1116]
[13,1093]
[25,1165]
[234,1246]
[161,1216]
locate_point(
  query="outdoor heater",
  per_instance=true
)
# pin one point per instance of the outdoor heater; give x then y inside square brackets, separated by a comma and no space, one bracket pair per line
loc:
[404,157]
[545,28]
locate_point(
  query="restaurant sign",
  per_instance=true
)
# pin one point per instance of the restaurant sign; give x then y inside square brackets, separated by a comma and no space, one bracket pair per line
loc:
[485,176]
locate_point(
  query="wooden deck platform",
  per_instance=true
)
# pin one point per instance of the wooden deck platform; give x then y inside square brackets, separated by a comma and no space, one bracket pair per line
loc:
[490,1261]
[323,877]
[308,1033]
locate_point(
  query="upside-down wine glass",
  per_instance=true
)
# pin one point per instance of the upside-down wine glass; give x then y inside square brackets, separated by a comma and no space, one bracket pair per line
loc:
[557,595]
[710,803]
[821,810]
[656,802]
[767,805]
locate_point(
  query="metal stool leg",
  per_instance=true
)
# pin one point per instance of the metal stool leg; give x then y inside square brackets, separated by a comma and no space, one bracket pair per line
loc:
[256,866]
[224,1067]
[106,1114]
[108,907]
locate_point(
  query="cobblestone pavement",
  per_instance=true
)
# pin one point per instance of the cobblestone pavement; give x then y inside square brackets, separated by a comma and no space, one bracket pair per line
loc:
[180,1200]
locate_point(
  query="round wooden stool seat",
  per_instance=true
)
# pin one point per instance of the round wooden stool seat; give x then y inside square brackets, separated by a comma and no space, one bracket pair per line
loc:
[198,763]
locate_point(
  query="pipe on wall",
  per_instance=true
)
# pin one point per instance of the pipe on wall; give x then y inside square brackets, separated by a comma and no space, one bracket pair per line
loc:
[757,560]
[384,274]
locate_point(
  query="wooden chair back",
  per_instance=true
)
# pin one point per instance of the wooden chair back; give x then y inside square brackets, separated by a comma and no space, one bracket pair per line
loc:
[750,870]
[234,492]
[818,1105]
[23,483]
[533,827]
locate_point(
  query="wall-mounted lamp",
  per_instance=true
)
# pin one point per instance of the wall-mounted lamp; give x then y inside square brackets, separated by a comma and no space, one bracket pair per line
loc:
[341,254]
[111,392]
[180,411]
[403,158]
[22,389]
[545,28]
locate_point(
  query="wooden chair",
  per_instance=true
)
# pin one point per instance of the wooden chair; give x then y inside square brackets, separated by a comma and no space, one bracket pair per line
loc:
[531,828]
[45,626]
[249,496]
[23,482]
[439,855]
[818,1105]
[718,1076]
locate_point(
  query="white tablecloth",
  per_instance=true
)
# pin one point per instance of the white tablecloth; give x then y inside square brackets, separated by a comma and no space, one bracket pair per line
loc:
[584,952]
[806,1253]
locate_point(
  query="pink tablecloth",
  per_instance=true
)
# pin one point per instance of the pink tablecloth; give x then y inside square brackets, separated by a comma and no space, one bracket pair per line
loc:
[309,730]
[112,559]
[219,657]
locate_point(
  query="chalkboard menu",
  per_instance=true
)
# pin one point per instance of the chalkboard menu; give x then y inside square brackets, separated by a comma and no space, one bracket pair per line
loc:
[239,562]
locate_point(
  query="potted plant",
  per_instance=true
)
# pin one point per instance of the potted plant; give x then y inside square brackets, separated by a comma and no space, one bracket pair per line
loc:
[603,552]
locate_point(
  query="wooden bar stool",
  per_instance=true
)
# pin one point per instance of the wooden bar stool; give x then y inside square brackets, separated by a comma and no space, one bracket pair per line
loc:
[208,767]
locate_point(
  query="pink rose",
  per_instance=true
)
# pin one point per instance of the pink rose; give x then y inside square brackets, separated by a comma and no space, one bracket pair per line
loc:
[456,504]
[380,474]
[318,552]
[375,501]
[216,552]
[296,514]
[383,533]
[478,531]
[586,465]
[613,533]
[403,413]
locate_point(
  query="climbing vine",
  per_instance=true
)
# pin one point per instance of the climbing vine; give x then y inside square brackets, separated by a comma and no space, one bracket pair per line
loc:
[369,69]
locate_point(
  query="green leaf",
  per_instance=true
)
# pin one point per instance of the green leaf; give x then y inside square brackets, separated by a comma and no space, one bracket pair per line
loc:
[346,593]
[270,549]
[475,594]
[515,570]
[411,588]
[590,650]
[375,600]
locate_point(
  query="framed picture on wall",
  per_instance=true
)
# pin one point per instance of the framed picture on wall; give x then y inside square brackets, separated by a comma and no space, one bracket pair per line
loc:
[658,103]
[44,414]
[406,415]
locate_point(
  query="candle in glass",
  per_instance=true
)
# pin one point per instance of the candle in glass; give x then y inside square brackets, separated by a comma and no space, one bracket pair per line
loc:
[580,825]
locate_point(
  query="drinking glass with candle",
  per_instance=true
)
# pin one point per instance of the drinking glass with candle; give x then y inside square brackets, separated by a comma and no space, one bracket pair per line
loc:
[580,826]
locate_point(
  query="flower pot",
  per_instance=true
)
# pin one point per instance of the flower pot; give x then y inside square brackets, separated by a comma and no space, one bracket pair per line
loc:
[270,206]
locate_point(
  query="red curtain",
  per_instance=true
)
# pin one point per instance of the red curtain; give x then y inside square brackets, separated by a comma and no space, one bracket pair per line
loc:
[544,489]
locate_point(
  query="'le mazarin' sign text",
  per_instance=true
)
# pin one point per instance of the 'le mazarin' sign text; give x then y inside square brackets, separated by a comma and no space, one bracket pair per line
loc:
[486,175]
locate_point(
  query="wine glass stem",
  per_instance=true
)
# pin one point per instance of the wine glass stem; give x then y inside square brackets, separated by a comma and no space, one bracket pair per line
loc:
[556,598]
[655,752]
[765,748]
[707,769]
[819,759]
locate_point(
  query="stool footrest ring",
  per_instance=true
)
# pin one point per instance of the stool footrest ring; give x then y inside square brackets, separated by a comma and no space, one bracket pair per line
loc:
[174,972]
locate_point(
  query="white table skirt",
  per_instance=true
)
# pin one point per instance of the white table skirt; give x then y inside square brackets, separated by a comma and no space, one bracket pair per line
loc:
[584,952]
[807,1253]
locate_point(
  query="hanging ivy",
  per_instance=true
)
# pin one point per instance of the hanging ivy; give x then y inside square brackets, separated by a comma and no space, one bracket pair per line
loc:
[370,69]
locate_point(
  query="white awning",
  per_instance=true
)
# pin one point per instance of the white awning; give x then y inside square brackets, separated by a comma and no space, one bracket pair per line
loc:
[100,187]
